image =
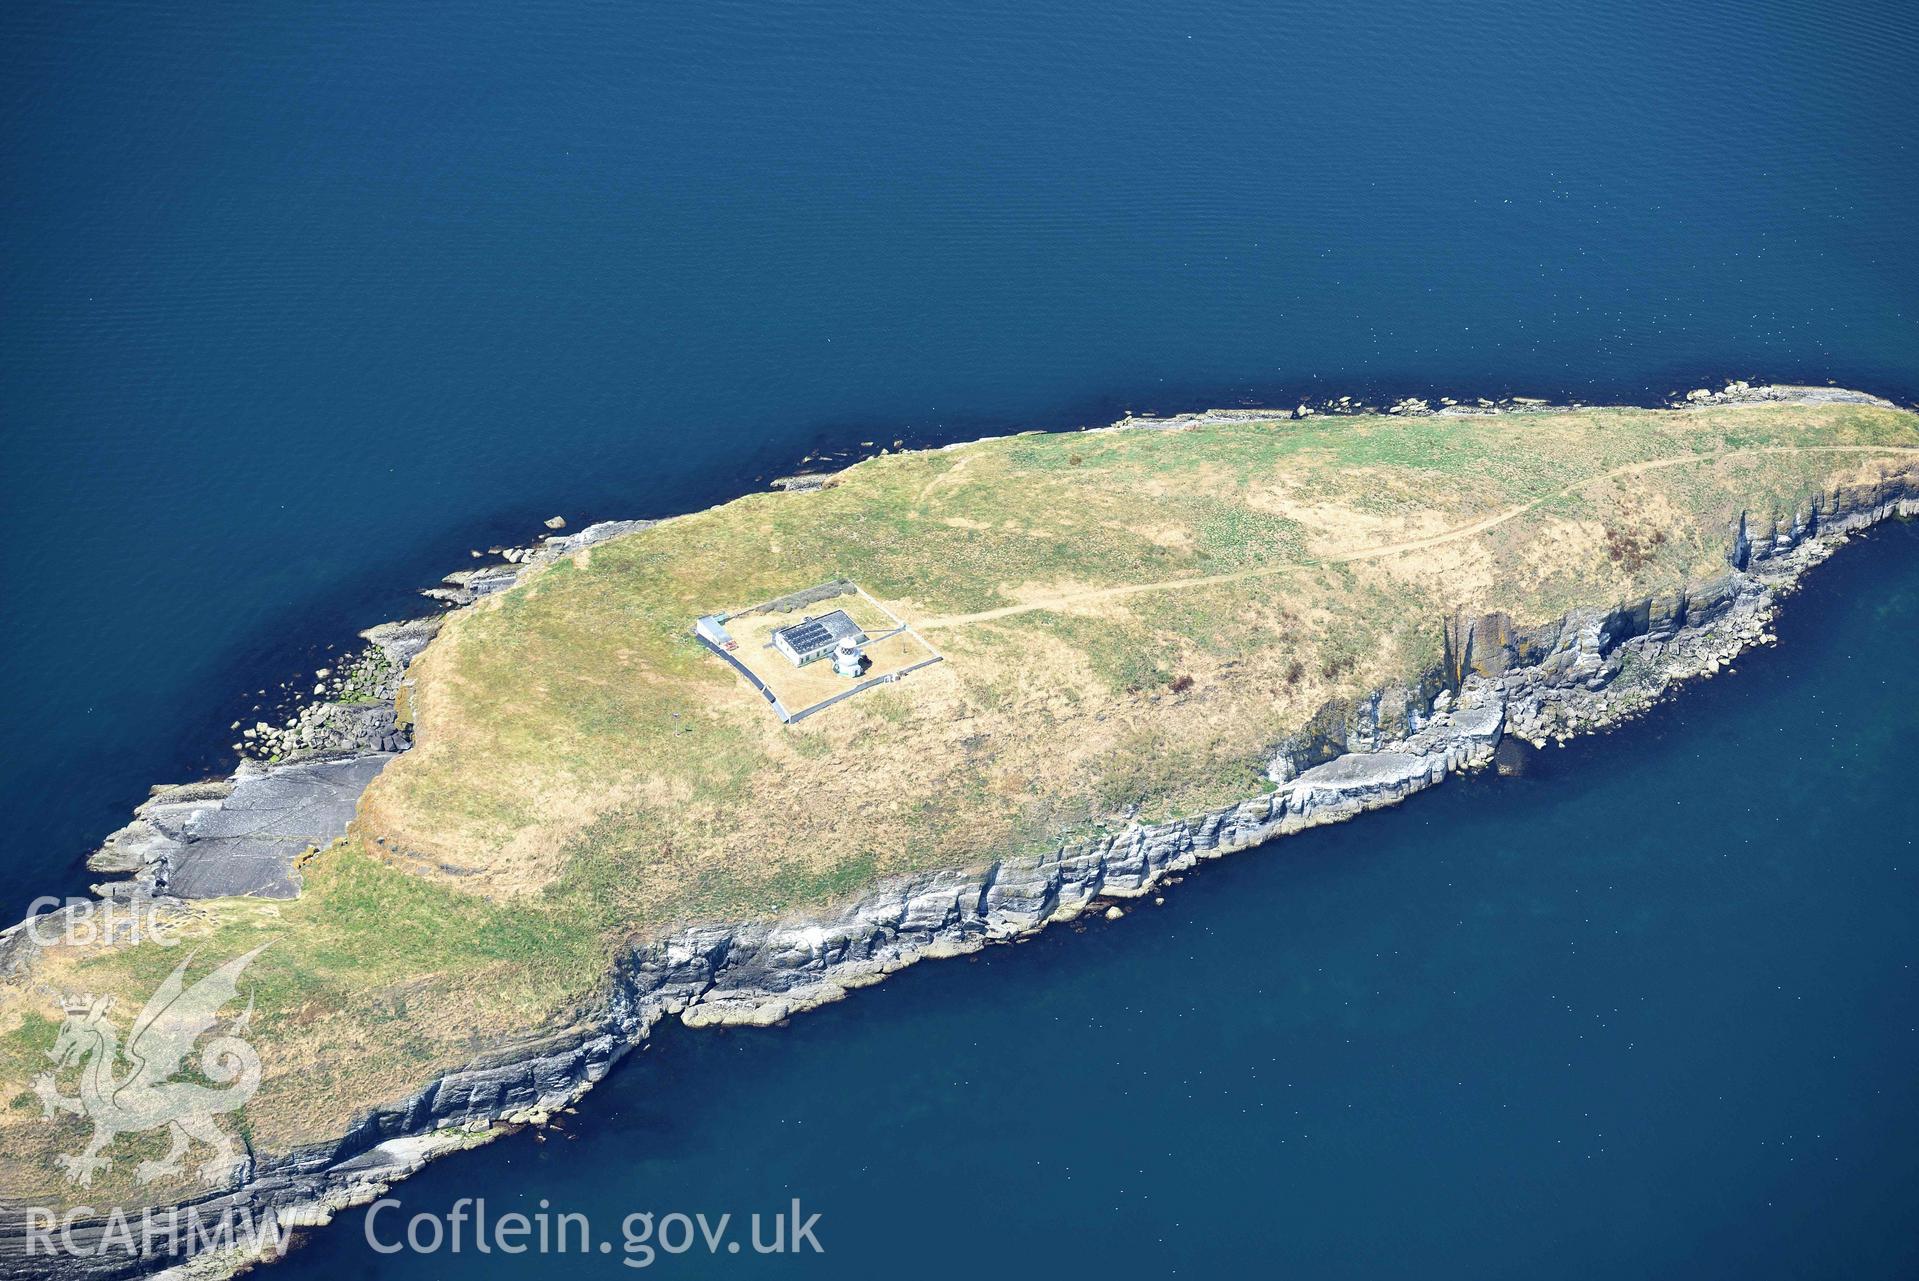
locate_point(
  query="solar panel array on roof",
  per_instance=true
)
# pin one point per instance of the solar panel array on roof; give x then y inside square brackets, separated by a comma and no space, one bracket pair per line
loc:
[806,637]
[813,638]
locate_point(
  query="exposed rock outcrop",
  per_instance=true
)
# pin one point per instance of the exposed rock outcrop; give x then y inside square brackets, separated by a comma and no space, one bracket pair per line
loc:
[240,835]
[464,586]
[1498,679]
[1740,392]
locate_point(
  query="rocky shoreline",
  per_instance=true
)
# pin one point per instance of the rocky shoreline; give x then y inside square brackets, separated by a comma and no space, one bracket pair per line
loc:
[1498,681]
[298,783]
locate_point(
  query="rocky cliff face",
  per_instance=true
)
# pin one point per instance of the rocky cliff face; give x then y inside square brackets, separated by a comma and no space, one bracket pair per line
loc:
[1498,679]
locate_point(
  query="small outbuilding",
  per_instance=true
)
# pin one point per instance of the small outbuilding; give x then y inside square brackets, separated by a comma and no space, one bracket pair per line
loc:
[815,638]
[713,628]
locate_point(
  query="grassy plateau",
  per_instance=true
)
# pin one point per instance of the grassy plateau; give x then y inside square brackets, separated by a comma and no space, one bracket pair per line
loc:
[1130,619]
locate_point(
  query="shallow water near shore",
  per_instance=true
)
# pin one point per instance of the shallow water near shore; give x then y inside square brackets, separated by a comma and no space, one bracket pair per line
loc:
[1647,1010]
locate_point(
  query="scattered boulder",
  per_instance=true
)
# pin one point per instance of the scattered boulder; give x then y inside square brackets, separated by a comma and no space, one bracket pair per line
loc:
[801,484]
[556,522]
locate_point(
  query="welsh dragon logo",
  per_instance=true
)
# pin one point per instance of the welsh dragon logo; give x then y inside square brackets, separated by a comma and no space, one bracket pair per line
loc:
[130,1089]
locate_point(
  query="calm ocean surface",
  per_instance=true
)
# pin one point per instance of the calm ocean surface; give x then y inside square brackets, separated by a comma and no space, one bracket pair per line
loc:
[300,303]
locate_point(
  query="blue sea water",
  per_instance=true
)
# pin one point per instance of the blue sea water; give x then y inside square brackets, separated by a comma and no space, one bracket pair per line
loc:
[300,303]
[1648,1011]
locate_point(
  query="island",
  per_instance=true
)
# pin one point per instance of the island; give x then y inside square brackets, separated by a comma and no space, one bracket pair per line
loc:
[730,765]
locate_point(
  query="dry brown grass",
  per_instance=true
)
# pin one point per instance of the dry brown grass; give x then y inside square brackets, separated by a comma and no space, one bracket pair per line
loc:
[1072,581]
[888,651]
[1130,620]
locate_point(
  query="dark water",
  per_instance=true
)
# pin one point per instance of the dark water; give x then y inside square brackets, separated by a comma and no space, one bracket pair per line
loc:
[1649,1011]
[299,303]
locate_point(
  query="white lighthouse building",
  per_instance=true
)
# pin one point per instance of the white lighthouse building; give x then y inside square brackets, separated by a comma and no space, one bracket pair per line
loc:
[848,658]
